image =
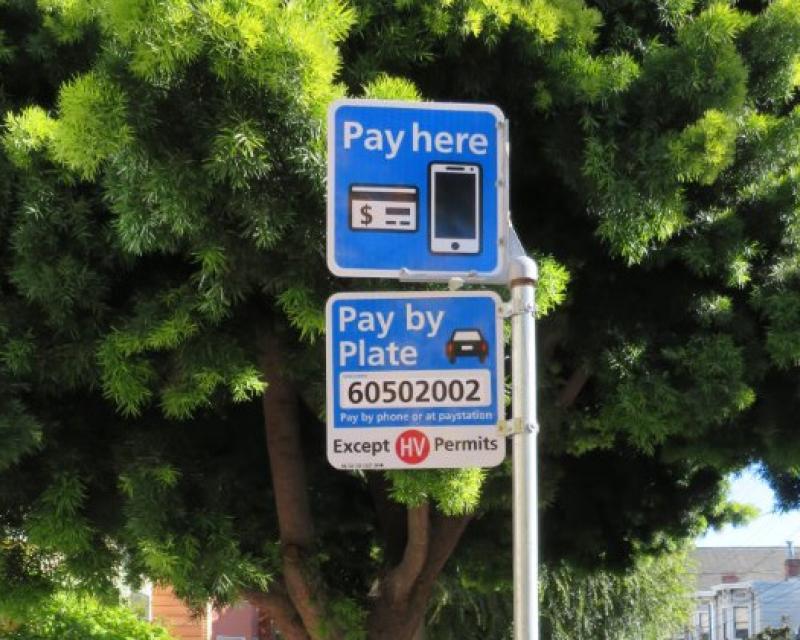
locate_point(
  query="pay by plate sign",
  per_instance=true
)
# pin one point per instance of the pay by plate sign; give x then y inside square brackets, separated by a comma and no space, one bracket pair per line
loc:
[417,190]
[414,380]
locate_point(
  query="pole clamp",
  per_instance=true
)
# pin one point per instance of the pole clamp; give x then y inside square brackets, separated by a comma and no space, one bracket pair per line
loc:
[516,427]
[507,310]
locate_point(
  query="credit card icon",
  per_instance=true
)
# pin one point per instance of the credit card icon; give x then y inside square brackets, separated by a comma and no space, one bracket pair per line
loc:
[383,208]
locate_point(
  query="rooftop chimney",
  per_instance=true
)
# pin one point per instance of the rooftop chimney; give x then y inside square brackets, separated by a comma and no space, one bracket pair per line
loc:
[791,565]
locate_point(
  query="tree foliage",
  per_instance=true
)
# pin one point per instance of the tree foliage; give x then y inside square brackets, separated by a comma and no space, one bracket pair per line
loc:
[66,617]
[770,633]
[162,282]
[647,601]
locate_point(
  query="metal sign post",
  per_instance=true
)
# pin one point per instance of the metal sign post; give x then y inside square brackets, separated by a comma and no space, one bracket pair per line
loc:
[523,278]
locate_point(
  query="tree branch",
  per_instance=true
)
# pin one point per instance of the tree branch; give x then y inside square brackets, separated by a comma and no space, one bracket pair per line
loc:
[279,608]
[401,579]
[285,454]
[289,483]
[307,599]
[445,535]
[573,386]
[551,335]
[391,517]
[392,620]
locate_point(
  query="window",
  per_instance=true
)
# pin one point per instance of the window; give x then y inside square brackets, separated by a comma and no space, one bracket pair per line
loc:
[139,601]
[723,618]
[703,626]
[741,619]
[467,335]
[140,604]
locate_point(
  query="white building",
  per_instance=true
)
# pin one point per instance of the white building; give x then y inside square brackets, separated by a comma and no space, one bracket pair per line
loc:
[764,593]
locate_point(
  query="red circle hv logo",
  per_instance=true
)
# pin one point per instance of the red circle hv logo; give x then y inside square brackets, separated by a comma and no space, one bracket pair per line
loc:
[412,446]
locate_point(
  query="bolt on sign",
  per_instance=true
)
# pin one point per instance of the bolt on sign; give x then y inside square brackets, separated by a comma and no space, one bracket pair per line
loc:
[414,380]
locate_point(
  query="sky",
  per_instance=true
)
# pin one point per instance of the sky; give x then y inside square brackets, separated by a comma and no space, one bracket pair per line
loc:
[769,529]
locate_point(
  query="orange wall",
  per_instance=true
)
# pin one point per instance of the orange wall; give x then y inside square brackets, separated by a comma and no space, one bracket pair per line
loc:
[173,614]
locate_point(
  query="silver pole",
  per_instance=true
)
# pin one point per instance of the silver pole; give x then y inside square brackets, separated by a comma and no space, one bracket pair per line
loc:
[523,278]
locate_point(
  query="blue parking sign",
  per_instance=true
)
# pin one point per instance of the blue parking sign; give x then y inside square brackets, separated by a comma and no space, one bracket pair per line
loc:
[417,190]
[414,380]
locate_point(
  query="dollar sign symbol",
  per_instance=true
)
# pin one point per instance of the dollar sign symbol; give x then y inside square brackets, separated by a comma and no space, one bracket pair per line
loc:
[366,217]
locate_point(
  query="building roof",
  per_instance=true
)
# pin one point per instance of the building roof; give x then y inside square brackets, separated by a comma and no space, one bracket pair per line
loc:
[713,565]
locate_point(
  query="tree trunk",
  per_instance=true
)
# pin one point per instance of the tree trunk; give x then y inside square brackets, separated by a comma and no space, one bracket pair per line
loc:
[276,607]
[397,624]
[399,611]
[289,483]
[298,602]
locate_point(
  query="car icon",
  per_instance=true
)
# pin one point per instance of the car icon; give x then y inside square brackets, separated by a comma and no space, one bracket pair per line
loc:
[466,342]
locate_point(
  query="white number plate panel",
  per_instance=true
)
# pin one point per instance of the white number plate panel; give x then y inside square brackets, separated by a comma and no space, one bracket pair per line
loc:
[412,389]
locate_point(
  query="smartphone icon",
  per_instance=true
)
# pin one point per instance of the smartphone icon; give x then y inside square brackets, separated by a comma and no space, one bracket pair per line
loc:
[455,207]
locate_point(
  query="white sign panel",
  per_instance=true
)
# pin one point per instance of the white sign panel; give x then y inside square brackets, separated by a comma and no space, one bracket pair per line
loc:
[414,380]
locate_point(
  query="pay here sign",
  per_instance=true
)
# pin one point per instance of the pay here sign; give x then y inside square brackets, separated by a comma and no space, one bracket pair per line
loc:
[414,380]
[417,190]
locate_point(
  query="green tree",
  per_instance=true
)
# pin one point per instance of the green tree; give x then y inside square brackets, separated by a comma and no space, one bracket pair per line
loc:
[644,602]
[770,633]
[162,283]
[647,602]
[66,617]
